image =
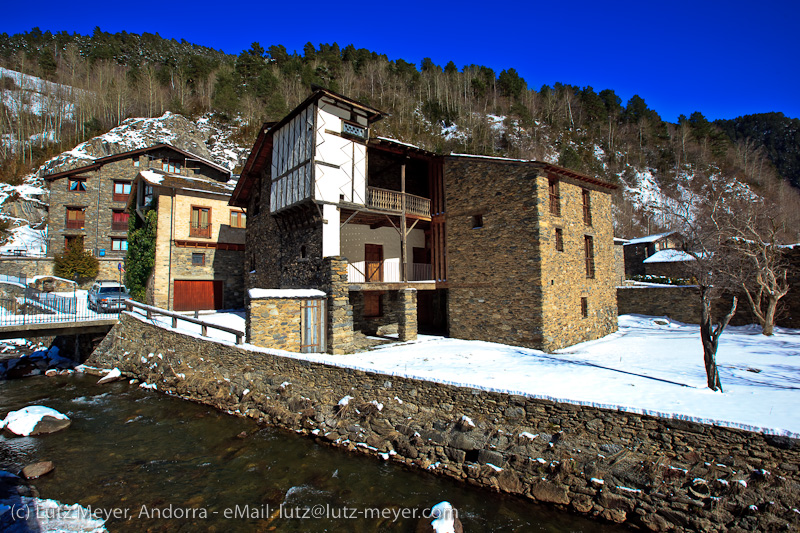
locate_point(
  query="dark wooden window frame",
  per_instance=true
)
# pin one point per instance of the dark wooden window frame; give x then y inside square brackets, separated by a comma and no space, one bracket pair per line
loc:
[588,252]
[73,224]
[555,196]
[374,307]
[119,240]
[197,231]
[117,225]
[241,218]
[121,197]
[201,257]
[559,236]
[587,207]
[584,307]
[78,180]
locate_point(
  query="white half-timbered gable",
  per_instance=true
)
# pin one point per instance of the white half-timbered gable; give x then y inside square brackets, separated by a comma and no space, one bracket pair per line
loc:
[321,154]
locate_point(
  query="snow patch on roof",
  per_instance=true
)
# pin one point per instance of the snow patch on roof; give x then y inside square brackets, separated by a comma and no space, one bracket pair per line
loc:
[650,238]
[285,293]
[669,256]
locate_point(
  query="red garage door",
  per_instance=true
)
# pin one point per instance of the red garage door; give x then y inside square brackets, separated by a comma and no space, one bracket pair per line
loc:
[196,295]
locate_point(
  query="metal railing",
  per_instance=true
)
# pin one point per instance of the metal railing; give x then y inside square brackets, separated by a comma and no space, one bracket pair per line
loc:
[153,312]
[393,201]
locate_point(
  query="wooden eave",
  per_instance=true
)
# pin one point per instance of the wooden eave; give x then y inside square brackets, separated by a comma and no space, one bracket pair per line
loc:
[385,145]
[124,155]
[258,157]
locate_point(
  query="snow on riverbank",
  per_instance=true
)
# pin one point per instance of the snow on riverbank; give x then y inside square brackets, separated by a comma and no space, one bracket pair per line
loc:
[651,365]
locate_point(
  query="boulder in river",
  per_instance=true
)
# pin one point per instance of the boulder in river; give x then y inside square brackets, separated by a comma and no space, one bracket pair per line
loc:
[35,420]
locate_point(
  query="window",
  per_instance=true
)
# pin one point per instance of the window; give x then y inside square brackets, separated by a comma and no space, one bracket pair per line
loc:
[584,307]
[198,259]
[122,190]
[119,245]
[77,184]
[119,220]
[136,162]
[477,221]
[559,240]
[555,198]
[303,252]
[238,219]
[200,222]
[587,209]
[354,129]
[588,249]
[76,217]
[170,165]
[372,304]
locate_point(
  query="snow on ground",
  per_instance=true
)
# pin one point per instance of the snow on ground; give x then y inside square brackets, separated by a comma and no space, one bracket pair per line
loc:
[650,365]
[26,241]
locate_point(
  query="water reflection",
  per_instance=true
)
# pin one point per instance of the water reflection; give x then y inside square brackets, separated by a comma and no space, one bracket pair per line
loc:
[164,464]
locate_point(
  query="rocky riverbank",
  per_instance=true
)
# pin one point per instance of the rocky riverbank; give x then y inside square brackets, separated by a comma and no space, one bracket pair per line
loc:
[652,473]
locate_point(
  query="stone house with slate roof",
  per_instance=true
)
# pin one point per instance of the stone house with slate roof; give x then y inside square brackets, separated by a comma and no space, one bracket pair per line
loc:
[639,250]
[401,239]
[199,241]
[87,203]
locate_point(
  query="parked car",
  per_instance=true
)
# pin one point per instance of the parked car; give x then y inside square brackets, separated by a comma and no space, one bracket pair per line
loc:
[107,296]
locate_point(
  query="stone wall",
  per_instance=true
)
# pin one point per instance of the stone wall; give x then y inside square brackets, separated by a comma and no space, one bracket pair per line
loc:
[566,285]
[340,313]
[679,303]
[275,323]
[493,275]
[26,266]
[507,282]
[656,474]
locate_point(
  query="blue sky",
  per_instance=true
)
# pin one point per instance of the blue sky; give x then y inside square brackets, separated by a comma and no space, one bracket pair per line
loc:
[723,59]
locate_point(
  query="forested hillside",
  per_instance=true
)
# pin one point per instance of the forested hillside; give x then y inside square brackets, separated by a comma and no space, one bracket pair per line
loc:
[97,81]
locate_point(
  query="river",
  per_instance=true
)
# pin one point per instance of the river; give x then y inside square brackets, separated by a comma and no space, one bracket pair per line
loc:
[165,464]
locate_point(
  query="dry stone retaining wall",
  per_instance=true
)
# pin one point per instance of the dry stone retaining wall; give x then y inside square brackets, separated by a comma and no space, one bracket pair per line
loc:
[657,474]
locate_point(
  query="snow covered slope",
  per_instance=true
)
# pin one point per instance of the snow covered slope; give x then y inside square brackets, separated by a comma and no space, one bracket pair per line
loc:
[25,206]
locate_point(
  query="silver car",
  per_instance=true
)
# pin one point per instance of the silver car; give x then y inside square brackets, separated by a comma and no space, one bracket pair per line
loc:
[107,296]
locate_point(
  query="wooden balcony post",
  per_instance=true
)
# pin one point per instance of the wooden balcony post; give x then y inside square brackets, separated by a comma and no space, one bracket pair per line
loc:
[403,232]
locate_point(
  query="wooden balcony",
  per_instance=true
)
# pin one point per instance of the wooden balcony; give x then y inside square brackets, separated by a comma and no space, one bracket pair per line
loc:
[200,230]
[119,226]
[75,224]
[387,200]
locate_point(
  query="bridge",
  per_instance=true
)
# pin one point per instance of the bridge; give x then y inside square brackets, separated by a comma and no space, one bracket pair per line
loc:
[26,311]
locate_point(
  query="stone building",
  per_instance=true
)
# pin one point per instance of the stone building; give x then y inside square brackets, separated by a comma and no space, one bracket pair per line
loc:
[199,241]
[401,239]
[637,250]
[87,203]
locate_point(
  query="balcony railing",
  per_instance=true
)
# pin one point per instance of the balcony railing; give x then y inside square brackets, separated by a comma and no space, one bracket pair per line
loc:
[385,271]
[119,226]
[200,230]
[75,224]
[393,201]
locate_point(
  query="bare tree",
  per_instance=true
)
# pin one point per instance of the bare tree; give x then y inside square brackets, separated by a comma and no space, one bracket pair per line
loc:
[762,271]
[705,227]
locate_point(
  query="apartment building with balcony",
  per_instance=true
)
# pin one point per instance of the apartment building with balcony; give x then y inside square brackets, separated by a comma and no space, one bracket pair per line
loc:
[401,239]
[199,241]
[88,203]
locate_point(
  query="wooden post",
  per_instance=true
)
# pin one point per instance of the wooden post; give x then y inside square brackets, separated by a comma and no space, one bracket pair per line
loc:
[403,233]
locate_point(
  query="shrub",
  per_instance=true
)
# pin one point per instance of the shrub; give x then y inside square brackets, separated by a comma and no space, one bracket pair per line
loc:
[75,262]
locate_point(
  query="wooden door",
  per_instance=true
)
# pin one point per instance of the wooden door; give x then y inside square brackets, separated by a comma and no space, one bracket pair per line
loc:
[373,262]
[312,326]
[195,295]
